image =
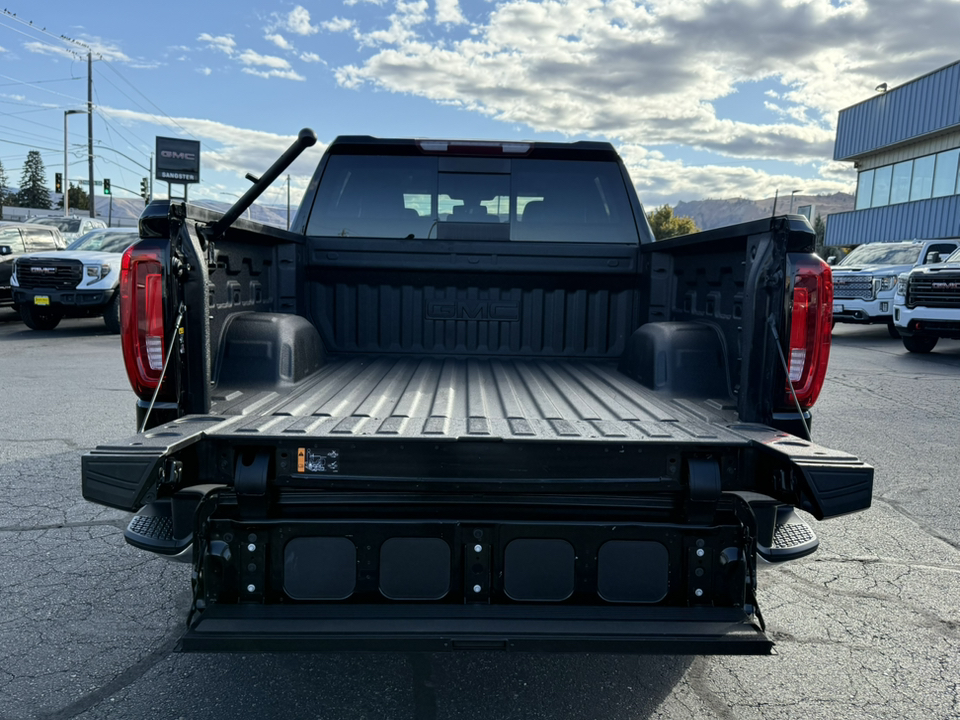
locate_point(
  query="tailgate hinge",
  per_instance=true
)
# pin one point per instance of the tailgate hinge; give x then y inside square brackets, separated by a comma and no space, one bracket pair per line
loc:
[704,490]
[250,483]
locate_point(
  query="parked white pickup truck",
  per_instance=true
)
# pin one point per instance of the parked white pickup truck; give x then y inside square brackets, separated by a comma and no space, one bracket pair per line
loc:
[80,281]
[927,306]
[865,281]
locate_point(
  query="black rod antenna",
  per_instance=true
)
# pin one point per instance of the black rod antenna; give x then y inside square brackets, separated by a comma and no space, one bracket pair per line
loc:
[305,139]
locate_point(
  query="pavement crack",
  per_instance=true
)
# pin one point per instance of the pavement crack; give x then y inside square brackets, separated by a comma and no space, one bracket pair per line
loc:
[117,523]
[121,681]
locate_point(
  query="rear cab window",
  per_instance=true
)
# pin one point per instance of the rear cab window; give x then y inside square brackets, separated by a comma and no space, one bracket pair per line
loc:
[424,197]
[39,239]
[11,238]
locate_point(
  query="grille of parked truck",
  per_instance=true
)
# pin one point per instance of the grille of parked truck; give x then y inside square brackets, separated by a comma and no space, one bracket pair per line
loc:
[928,304]
[466,402]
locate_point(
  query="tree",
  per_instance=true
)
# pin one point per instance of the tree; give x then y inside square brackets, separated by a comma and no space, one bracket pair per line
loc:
[33,184]
[820,229]
[3,189]
[79,200]
[666,225]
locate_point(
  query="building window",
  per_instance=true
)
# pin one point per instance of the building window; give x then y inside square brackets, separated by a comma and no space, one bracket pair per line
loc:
[865,190]
[945,175]
[922,184]
[925,177]
[881,186]
[900,189]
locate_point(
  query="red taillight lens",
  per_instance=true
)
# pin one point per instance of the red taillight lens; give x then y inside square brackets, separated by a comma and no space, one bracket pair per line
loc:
[811,326]
[141,317]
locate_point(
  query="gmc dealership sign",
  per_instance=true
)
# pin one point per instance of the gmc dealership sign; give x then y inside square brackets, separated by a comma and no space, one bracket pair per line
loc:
[178,160]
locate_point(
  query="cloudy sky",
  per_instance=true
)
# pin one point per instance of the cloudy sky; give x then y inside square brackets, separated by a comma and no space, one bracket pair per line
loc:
[703,98]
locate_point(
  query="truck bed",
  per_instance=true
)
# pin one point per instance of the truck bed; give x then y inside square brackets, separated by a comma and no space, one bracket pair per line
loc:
[473,398]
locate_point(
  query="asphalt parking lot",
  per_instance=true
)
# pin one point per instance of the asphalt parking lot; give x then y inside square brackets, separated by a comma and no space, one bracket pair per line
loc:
[868,627]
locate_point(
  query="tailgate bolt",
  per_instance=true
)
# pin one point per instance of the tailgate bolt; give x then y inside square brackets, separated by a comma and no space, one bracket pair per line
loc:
[700,552]
[253,588]
[251,547]
[698,592]
[477,548]
[477,588]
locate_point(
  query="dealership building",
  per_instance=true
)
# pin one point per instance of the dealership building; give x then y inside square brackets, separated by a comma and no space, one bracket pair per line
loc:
[905,144]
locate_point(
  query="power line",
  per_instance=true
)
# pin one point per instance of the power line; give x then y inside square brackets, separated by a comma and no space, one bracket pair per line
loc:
[110,65]
[52,92]
[32,147]
[38,82]
[58,48]
[103,118]
[61,38]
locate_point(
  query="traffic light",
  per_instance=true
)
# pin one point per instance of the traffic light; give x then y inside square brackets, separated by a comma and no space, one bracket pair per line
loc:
[106,186]
[58,182]
[143,188]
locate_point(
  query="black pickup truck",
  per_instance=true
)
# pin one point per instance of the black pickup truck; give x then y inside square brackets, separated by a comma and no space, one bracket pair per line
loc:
[466,401]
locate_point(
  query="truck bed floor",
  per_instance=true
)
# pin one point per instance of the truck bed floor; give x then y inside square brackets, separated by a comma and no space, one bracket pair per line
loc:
[483,399]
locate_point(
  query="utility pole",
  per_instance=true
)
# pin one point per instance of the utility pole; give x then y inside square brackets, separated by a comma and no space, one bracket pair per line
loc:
[93,195]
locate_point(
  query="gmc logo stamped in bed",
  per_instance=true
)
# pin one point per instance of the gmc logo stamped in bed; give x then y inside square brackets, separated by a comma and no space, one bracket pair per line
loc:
[503,311]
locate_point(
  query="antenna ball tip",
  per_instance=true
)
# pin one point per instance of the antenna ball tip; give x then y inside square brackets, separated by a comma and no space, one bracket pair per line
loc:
[308,137]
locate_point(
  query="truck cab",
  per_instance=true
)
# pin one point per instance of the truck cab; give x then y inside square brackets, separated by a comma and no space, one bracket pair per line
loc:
[865,281]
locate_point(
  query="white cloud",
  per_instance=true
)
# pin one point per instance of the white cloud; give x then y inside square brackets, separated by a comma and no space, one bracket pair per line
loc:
[338,24]
[448,11]
[660,180]
[204,71]
[44,49]
[351,3]
[226,148]
[279,40]
[250,57]
[312,57]
[283,74]
[223,43]
[648,74]
[298,21]
[3,49]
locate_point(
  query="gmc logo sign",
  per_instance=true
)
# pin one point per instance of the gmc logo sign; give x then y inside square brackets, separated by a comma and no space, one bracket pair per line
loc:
[43,271]
[499,310]
[177,155]
[946,286]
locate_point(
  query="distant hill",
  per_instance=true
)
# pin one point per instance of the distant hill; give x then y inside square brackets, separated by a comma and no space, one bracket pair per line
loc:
[125,211]
[709,214]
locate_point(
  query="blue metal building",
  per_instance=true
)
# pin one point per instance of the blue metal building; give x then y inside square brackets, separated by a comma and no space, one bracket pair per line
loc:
[905,145]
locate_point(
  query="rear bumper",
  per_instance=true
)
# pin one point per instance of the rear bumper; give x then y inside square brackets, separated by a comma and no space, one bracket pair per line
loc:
[438,628]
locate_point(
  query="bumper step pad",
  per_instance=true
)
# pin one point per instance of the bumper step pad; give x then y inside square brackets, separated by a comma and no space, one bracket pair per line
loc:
[153,529]
[792,538]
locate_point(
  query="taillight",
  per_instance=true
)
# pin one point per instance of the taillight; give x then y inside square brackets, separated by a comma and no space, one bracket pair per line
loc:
[141,316]
[811,326]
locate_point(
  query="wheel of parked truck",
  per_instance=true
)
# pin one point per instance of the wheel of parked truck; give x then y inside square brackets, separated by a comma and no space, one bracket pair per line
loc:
[40,319]
[892,329]
[111,315]
[920,343]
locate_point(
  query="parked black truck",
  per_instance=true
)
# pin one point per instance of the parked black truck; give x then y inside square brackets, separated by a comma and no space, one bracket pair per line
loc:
[466,401]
